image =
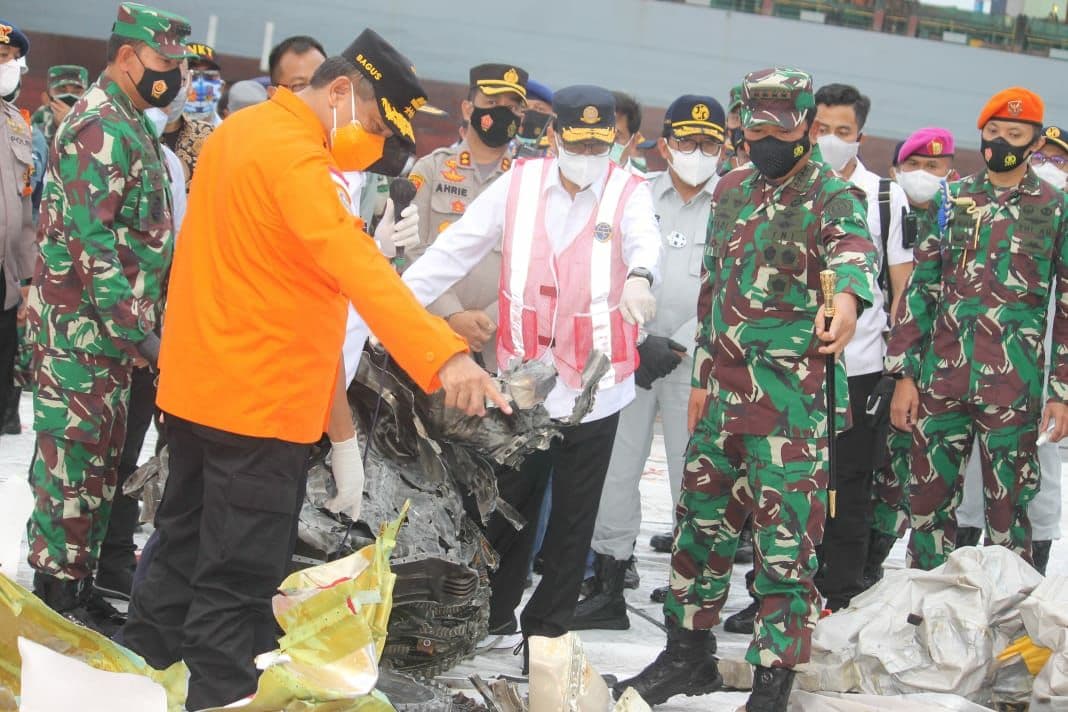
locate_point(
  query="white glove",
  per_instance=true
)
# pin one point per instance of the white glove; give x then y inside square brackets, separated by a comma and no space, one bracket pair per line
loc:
[637,305]
[347,466]
[402,233]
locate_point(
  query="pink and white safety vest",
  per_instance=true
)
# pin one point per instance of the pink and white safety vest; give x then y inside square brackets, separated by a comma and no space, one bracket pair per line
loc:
[567,302]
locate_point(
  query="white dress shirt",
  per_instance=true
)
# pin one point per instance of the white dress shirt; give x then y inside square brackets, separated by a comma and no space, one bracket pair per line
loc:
[464,243]
[864,353]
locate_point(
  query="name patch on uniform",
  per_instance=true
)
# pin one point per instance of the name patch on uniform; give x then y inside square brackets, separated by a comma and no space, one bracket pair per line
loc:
[451,189]
[603,232]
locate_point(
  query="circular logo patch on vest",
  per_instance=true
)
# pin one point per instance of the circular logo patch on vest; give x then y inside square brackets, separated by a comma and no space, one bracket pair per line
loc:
[676,239]
[603,232]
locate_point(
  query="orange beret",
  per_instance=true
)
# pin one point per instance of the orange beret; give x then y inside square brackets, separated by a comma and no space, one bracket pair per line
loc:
[1013,104]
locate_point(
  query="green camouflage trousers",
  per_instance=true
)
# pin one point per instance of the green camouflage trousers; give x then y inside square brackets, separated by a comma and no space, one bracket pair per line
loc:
[23,374]
[890,499]
[1007,456]
[783,482]
[79,413]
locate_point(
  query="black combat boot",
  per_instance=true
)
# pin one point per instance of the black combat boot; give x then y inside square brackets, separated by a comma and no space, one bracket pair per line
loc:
[74,599]
[879,546]
[662,542]
[606,609]
[684,667]
[968,536]
[771,690]
[660,594]
[10,423]
[744,620]
[744,554]
[631,578]
[1040,554]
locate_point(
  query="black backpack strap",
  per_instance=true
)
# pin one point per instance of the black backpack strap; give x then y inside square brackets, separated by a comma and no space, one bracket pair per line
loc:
[884,228]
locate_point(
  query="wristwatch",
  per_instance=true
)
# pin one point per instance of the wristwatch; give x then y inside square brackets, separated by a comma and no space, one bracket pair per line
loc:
[641,272]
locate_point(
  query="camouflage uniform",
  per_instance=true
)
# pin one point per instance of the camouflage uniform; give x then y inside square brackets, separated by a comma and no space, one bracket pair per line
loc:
[44,119]
[969,331]
[761,445]
[890,501]
[105,241]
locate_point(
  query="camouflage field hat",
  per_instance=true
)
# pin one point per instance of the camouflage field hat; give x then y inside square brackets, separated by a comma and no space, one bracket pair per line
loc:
[781,96]
[734,101]
[163,31]
[61,74]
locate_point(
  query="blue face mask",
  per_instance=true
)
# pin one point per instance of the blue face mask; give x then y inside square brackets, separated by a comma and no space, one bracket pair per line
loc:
[205,88]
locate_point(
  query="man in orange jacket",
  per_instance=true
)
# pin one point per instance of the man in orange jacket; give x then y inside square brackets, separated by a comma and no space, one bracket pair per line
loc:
[267,260]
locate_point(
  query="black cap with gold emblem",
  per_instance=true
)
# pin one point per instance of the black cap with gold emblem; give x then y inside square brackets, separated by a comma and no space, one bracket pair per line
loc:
[398,93]
[690,115]
[493,79]
[1057,136]
[585,113]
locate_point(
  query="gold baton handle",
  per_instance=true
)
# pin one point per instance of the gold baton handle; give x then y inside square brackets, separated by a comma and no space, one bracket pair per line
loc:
[827,283]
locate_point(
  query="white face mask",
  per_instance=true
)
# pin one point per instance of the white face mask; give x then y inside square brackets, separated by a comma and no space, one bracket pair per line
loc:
[693,168]
[1052,175]
[919,185]
[836,152]
[158,117]
[581,170]
[10,74]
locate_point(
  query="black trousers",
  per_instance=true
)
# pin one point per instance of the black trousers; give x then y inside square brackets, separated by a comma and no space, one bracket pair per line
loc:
[118,550]
[226,526]
[578,463]
[845,538]
[9,344]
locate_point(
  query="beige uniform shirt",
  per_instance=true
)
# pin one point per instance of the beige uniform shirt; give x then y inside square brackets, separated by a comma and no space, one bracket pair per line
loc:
[447,181]
[16,220]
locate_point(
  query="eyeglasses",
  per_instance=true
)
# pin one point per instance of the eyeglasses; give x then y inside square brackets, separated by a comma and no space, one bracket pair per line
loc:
[688,146]
[585,148]
[295,86]
[1038,159]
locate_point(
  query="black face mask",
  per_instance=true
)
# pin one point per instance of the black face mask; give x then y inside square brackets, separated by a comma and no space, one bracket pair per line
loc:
[395,156]
[534,124]
[774,157]
[10,98]
[158,88]
[1001,156]
[495,126]
[737,138]
[68,99]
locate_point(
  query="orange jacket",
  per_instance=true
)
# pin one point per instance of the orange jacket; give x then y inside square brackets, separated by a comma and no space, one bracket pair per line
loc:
[266,261]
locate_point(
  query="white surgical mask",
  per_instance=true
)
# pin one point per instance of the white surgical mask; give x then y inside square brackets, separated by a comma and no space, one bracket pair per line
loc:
[158,117]
[10,74]
[581,170]
[919,185]
[693,168]
[1052,175]
[836,152]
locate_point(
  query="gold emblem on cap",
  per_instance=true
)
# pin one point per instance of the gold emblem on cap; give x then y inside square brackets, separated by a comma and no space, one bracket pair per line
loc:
[935,147]
[1015,107]
[511,76]
[700,112]
[1053,132]
[5,33]
[590,115]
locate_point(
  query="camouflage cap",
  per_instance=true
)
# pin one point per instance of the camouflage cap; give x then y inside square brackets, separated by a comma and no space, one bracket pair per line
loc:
[61,74]
[780,95]
[163,31]
[734,100]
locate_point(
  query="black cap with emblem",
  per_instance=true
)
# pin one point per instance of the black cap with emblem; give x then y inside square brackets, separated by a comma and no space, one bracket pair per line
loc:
[398,93]
[1057,136]
[493,79]
[692,115]
[585,113]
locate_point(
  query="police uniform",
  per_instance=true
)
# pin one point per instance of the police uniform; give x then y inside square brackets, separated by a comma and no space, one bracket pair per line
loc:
[96,300]
[16,229]
[59,75]
[761,445]
[447,181]
[683,227]
[969,332]
[561,275]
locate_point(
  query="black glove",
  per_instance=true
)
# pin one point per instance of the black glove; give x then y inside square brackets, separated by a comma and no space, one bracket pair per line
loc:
[659,356]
